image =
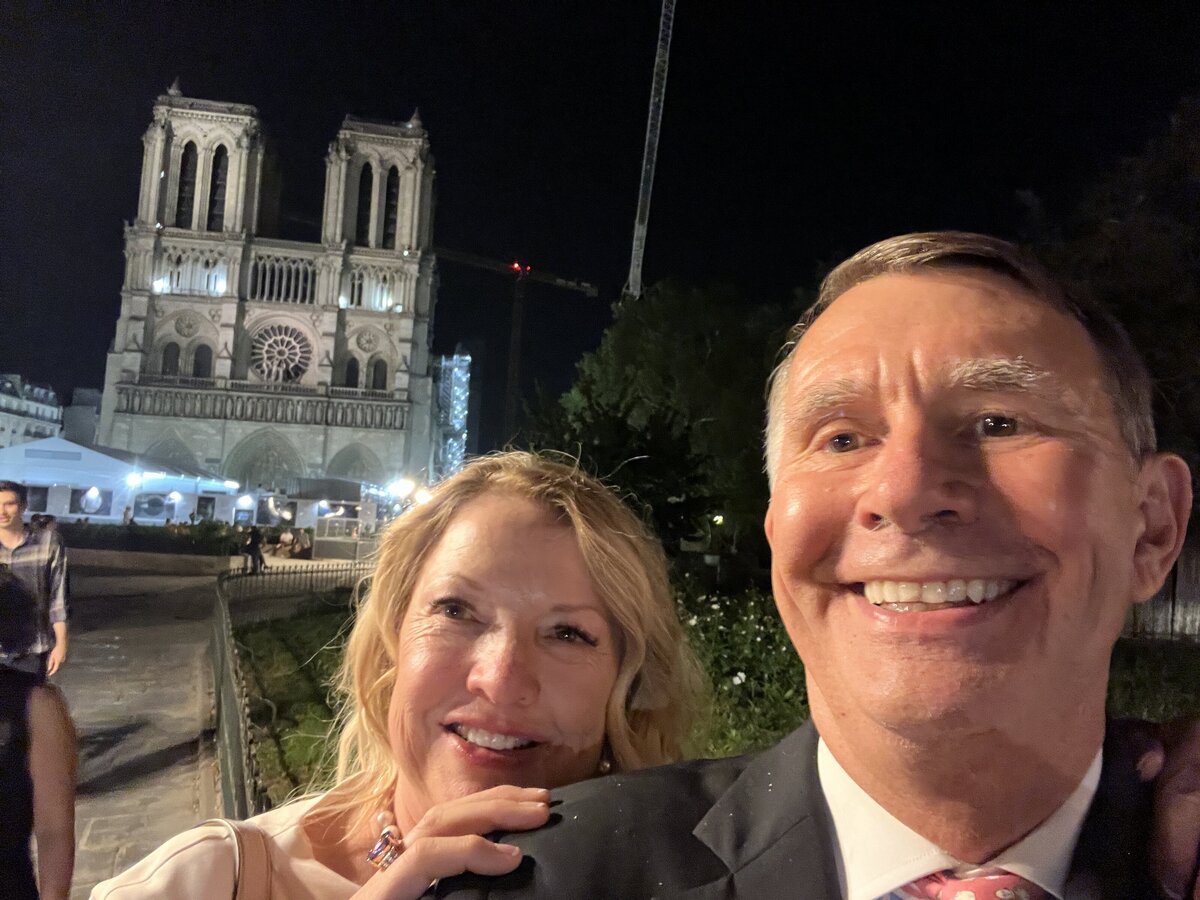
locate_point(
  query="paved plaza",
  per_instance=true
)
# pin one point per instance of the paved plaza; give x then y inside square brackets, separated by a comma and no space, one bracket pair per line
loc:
[139,685]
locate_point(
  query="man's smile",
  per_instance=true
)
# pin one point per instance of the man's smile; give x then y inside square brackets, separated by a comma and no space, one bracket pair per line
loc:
[924,596]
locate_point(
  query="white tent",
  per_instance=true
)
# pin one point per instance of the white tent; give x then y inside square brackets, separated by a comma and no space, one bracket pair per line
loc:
[72,481]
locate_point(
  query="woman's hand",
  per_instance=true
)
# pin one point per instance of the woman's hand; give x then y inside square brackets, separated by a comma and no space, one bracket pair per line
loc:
[448,841]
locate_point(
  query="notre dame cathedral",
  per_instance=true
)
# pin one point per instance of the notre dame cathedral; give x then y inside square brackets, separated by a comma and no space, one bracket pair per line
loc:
[267,360]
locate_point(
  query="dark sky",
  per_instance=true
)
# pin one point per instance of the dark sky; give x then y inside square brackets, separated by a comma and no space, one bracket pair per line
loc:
[793,134]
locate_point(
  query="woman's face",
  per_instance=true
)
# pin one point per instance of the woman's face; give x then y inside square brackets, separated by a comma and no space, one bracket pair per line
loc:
[506,660]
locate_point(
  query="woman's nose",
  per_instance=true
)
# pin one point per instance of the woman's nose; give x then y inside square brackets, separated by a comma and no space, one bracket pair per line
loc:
[503,671]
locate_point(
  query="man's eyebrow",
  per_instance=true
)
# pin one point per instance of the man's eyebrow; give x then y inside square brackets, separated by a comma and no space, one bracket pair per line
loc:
[1007,374]
[822,399]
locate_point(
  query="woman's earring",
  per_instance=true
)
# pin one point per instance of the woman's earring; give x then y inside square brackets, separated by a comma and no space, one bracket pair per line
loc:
[605,765]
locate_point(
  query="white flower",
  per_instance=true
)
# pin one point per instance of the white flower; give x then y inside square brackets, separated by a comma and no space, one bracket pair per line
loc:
[739,678]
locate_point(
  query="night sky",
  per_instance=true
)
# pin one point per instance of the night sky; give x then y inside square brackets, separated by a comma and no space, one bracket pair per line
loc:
[794,133]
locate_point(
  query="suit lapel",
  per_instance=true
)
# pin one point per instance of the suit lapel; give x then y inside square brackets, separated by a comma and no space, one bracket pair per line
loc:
[771,828]
[1110,856]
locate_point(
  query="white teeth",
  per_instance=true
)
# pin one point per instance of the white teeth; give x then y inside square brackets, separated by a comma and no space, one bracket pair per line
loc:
[936,593]
[489,740]
[933,592]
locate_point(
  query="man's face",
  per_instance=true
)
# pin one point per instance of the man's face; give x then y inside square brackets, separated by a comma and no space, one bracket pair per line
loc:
[946,436]
[10,509]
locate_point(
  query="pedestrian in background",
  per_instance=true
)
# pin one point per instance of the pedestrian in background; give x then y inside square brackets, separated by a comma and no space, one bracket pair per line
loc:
[34,588]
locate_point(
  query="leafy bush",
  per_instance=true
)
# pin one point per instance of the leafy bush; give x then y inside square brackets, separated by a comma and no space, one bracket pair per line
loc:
[202,539]
[288,666]
[757,685]
[756,679]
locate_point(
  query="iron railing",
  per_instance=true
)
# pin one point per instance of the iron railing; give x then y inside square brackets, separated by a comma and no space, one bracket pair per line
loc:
[242,793]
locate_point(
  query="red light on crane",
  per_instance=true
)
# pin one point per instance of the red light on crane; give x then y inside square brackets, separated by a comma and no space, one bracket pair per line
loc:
[515,266]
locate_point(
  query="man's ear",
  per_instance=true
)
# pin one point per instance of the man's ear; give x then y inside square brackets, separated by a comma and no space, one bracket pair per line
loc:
[1166,486]
[769,525]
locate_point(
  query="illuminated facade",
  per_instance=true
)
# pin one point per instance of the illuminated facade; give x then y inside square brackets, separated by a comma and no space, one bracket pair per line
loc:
[27,412]
[454,392]
[264,359]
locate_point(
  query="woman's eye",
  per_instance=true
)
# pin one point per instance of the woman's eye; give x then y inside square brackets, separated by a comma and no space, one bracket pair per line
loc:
[570,634]
[451,609]
[995,426]
[843,442]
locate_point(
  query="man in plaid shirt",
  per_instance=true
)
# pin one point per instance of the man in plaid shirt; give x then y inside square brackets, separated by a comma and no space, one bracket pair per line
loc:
[33,589]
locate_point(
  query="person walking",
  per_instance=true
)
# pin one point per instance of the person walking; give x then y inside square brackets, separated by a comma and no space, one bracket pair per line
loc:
[33,571]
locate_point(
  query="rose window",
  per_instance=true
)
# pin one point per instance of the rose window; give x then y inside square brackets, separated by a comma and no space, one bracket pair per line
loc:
[280,353]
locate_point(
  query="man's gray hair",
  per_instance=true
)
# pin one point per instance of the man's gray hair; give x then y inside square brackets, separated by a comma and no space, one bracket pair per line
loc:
[1128,380]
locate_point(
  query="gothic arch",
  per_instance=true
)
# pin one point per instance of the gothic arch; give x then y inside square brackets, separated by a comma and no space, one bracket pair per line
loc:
[350,378]
[218,185]
[377,374]
[391,208]
[168,361]
[362,213]
[170,449]
[201,356]
[265,457]
[186,200]
[354,462]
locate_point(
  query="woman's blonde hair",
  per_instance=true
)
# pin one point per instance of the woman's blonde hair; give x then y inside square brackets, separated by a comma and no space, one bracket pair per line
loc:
[658,688]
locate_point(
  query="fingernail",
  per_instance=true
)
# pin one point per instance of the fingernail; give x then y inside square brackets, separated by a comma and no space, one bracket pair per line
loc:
[510,849]
[535,804]
[1148,767]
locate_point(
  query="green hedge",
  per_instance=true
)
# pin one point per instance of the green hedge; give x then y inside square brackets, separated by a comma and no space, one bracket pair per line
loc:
[202,539]
[205,538]
[757,682]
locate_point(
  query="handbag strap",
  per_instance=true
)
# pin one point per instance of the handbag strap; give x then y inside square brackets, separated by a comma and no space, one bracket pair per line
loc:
[251,859]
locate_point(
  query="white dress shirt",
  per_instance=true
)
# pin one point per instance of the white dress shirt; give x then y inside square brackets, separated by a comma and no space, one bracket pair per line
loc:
[878,853]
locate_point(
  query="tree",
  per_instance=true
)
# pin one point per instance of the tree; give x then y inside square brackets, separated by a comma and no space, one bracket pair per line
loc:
[670,407]
[1133,242]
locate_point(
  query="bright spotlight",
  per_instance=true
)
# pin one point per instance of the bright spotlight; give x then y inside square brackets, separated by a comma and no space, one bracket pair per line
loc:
[174,496]
[245,501]
[422,496]
[402,488]
[232,485]
[133,479]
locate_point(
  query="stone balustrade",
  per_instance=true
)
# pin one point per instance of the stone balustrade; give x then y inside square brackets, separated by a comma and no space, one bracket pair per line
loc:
[279,404]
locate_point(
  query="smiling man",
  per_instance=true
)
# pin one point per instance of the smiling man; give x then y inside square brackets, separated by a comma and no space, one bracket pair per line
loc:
[966,500]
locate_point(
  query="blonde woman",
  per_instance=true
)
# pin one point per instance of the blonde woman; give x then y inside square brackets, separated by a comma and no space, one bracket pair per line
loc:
[519,635]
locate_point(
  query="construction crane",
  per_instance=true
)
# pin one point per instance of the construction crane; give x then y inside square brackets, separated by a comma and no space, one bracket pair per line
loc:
[521,274]
[658,90]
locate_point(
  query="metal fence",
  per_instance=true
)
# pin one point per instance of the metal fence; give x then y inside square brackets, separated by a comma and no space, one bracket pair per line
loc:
[242,794]
[292,581]
[1174,612]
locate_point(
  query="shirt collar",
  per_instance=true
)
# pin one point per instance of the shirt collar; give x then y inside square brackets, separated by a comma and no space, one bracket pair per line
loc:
[878,853]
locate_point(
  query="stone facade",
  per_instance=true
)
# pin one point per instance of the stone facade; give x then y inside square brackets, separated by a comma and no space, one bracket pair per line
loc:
[263,359]
[27,412]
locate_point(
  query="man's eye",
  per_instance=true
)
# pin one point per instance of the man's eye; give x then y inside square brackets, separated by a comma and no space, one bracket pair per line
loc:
[843,442]
[571,635]
[994,426]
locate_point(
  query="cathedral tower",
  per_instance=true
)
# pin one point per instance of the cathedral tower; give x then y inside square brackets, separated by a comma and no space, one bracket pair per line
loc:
[271,360]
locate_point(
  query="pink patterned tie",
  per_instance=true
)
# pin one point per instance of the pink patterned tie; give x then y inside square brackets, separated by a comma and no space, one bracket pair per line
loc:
[979,884]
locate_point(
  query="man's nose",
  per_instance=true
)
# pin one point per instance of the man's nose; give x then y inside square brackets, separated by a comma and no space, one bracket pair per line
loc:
[921,479]
[503,670]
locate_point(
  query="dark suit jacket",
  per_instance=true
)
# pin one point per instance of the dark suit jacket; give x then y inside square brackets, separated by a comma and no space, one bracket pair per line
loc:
[756,827]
